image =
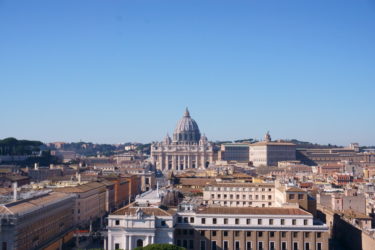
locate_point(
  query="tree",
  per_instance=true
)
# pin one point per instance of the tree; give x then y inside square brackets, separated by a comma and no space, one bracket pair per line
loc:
[160,247]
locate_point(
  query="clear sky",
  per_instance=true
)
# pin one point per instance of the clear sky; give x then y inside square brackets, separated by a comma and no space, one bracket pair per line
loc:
[115,71]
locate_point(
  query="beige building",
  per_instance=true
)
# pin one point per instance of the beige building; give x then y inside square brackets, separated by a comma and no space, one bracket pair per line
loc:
[90,203]
[269,153]
[43,219]
[187,149]
[240,194]
[214,228]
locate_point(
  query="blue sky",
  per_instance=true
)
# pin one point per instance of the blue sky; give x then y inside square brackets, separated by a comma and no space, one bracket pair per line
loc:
[118,71]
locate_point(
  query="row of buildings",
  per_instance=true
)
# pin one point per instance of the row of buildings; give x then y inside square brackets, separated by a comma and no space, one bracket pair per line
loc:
[46,215]
[189,149]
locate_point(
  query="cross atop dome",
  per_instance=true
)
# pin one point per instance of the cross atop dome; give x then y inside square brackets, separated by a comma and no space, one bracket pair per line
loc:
[187,113]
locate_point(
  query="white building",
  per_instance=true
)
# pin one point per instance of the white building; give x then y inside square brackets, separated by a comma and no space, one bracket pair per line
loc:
[187,149]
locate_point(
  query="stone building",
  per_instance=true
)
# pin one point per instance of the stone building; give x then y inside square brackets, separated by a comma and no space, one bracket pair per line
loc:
[41,221]
[187,149]
[193,226]
[269,153]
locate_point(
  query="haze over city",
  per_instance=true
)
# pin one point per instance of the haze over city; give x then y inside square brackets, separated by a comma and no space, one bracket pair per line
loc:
[119,71]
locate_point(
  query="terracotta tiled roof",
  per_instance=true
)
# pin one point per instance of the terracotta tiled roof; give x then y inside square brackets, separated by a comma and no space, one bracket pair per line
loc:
[26,205]
[130,209]
[239,184]
[253,210]
[196,181]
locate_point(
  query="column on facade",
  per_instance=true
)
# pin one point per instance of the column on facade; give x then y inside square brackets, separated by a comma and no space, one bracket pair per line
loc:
[128,242]
[173,162]
[185,162]
[188,161]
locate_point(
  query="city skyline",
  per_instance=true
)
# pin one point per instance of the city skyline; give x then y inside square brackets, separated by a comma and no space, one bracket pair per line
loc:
[111,72]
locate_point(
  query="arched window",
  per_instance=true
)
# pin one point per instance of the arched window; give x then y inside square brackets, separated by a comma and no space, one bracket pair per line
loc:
[139,243]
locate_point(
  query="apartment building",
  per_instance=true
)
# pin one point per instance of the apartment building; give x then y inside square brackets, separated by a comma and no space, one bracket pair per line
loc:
[90,203]
[240,194]
[42,220]
[213,228]
[194,226]
[269,153]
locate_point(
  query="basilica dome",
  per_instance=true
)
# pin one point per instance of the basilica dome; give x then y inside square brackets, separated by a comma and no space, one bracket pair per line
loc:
[187,130]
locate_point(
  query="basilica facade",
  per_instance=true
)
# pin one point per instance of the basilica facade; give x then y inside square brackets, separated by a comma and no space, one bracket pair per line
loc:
[187,149]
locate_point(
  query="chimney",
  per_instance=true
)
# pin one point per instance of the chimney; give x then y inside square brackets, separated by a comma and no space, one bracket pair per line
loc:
[14,191]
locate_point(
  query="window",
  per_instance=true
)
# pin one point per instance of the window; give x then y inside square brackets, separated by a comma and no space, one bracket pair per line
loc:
[244,197]
[191,219]
[260,234]
[191,231]
[263,197]
[270,197]
[282,222]
[202,232]
[294,222]
[259,221]
[213,233]
[307,234]
[225,245]
[225,221]
[271,221]
[300,196]
[248,233]
[305,222]
[231,196]
[307,246]
[184,232]
[186,220]
[212,196]
[295,234]
[225,233]
[179,219]
[191,244]
[237,221]
[139,243]
[283,234]
[237,245]
[272,245]
[179,243]
[291,196]
[213,245]
[162,223]
[225,196]
[184,243]
[248,221]
[219,196]
[203,245]
[214,221]
[283,245]
[260,245]
[295,246]
[117,222]
[318,246]
[117,246]
[272,234]
[318,234]
[248,245]
[237,196]
[203,220]
[237,233]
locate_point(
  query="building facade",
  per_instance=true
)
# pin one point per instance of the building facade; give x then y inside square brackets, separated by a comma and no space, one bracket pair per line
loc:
[238,152]
[269,153]
[187,149]
[36,222]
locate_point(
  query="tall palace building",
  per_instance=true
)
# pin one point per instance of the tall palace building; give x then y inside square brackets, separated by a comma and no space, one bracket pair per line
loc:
[187,149]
